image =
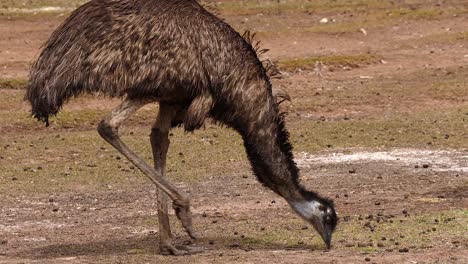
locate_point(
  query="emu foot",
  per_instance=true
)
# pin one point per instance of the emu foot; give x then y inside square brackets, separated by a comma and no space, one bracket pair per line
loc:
[168,248]
[182,210]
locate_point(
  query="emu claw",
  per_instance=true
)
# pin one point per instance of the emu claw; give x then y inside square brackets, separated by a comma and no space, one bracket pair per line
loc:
[179,250]
[185,216]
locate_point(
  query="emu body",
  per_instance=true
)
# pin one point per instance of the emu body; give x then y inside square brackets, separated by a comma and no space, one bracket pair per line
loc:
[195,66]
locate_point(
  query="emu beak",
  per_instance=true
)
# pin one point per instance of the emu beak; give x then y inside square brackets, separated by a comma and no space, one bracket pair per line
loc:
[327,238]
[325,232]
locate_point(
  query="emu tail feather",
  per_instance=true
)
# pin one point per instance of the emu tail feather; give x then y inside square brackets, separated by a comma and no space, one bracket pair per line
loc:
[46,100]
[48,90]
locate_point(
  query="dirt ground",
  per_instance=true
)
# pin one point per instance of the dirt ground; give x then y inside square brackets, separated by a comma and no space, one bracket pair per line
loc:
[381,128]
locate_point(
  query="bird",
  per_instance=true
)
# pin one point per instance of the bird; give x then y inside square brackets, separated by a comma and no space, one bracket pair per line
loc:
[195,66]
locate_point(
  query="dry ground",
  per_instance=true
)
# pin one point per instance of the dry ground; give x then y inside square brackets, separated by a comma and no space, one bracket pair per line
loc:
[383,131]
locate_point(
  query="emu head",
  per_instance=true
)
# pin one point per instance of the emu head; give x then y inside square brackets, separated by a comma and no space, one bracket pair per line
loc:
[321,214]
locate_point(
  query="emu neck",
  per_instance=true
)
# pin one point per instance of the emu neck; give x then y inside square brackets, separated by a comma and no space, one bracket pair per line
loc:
[270,154]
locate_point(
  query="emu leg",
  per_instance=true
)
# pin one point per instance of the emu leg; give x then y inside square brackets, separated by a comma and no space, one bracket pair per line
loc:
[160,145]
[108,129]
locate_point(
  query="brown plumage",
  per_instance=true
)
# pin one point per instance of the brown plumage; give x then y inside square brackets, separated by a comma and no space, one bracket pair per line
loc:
[196,66]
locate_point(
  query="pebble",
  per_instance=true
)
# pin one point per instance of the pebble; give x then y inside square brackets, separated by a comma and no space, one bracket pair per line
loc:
[367,259]
[403,250]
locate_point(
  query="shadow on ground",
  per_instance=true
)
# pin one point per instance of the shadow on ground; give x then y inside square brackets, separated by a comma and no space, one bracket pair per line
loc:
[144,246]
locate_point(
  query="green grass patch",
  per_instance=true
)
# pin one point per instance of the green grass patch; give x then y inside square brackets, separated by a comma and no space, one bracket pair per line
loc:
[352,61]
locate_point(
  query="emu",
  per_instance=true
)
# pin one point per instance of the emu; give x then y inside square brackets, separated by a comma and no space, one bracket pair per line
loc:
[178,54]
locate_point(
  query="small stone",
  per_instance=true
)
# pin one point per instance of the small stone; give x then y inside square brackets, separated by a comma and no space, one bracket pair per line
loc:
[352,171]
[403,250]
[434,229]
[204,214]
[211,242]
[405,212]
[380,245]
[425,166]
[304,227]
[214,221]
[367,259]
[55,209]
[377,203]
[14,179]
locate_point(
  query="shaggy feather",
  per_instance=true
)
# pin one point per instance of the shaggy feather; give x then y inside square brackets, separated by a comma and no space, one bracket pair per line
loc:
[174,52]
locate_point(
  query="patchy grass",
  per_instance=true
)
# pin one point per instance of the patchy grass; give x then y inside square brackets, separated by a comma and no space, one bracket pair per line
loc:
[422,130]
[57,160]
[405,232]
[13,83]
[353,61]
[351,18]
[442,38]
[271,7]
